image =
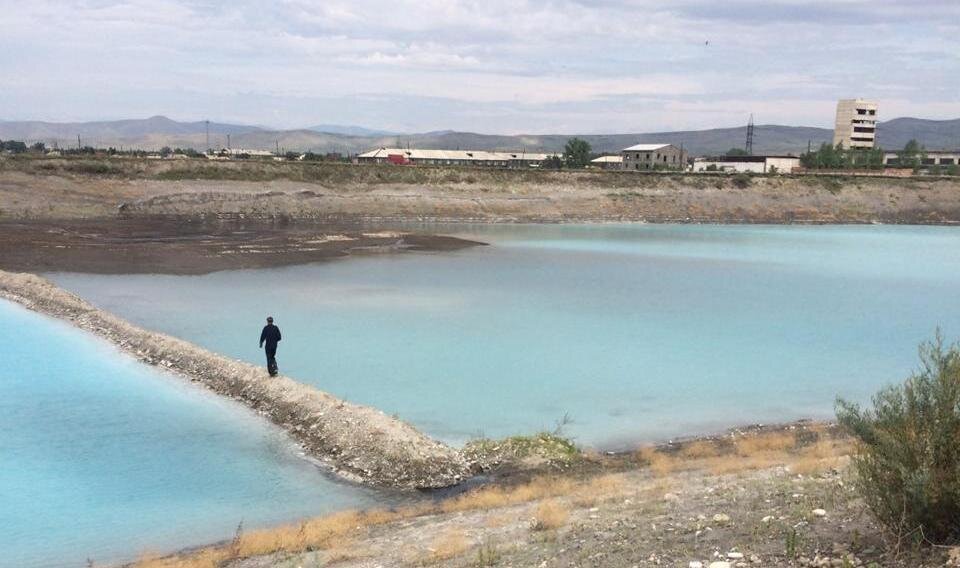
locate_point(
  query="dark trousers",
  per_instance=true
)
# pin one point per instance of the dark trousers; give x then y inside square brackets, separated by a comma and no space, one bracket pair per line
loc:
[271,360]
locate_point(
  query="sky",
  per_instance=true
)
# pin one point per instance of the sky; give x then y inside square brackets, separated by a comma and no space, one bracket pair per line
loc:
[491,66]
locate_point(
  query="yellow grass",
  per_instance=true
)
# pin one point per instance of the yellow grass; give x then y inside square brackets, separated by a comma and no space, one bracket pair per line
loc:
[660,464]
[550,515]
[820,457]
[765,443]
[699,450]
[449,545]
[598,489]
[496,497]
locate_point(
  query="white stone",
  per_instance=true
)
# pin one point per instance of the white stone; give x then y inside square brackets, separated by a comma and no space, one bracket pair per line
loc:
[819,513]
[767,519]
[695,564]
[734,555]
[721,518]
[719,564]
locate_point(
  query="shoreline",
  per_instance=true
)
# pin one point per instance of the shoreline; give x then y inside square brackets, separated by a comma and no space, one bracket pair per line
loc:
[359,443]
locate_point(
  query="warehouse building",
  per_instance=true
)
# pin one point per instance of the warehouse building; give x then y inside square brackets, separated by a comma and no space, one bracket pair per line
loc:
[945,158]
[423,157]
[653,157]
[752,164]
[607,163]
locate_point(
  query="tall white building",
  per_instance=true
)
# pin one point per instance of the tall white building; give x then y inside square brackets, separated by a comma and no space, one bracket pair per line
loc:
[856,125]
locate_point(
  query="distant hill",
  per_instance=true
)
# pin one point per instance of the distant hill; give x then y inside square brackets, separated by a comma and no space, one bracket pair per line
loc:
[934,134]
[349,130]
[133,132]
[158,131]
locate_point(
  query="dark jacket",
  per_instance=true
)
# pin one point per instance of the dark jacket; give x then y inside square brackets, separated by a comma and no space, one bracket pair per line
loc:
[270,335]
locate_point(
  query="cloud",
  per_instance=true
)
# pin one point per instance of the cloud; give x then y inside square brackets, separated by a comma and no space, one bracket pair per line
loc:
[505,65]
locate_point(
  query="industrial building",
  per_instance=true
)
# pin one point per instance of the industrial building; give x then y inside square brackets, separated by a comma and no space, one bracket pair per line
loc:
[856,124]
[607,162]
[945,158]
[483,158]
[654,157]
[752,164]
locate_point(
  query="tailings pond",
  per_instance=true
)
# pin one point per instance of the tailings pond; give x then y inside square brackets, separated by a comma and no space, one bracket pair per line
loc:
[636,332]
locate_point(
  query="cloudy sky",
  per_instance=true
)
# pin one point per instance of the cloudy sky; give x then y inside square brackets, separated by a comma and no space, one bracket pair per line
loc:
[496,66]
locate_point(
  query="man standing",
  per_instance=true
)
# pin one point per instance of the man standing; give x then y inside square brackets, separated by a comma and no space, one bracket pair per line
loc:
[271,336]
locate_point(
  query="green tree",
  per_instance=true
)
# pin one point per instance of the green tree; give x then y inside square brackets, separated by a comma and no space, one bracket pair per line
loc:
[165,151]
[576,154]
[38,147]
[737,152]
[912,155]
[553,162]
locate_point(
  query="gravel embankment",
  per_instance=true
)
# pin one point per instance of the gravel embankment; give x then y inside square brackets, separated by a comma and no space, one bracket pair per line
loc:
[358,442]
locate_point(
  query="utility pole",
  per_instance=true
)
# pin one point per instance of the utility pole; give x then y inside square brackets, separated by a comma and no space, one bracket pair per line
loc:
[750,136]
[78,142]
[228,141]
[208,133]
[277,142]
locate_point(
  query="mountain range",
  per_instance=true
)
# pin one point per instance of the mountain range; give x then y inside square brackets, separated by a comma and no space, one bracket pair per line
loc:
[158,131]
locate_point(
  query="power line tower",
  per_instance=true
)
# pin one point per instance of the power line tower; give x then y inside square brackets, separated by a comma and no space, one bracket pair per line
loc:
[750,136]
[208,133]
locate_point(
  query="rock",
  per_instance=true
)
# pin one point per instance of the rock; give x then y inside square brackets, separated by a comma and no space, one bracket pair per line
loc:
[755,559]
[695,564]
[735,556]
[819,513]
[767,519]
[721,518]
[720,564]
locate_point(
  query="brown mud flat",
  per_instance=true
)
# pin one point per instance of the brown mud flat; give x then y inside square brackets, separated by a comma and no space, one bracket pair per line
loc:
[184,246]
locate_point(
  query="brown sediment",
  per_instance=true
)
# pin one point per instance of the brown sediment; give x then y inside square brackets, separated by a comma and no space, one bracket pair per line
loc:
[358,442]
[171,245]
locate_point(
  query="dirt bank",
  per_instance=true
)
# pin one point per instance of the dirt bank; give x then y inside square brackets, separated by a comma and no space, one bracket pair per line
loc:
[184,246]
[358,442]
[777,497]
[104,188]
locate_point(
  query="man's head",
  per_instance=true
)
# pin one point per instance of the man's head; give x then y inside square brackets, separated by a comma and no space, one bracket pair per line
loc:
[269,319]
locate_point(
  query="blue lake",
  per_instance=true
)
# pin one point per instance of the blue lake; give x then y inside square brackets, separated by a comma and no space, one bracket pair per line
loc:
[636,332]
[105,458]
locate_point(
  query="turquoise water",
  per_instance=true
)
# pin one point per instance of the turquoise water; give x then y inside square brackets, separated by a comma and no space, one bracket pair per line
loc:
[104,458]
[636,332]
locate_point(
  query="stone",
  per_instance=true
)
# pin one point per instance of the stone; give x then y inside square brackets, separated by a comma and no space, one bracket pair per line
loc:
[767,519]
[735,556]
[819,513]
[720,564]
[721,518]
[695,564]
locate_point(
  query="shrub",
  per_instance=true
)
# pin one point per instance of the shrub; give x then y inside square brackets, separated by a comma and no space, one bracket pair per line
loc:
[742,180]
[908,455]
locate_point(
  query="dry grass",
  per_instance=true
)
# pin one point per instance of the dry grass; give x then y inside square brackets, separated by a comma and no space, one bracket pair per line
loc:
[699,450]
[598,489]
[821,456]
[496,497]
[449,545]
[550,515]
[765,443]
[659,463]
[750,452]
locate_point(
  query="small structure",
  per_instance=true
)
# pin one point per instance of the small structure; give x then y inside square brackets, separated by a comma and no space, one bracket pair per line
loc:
[856,124]
[607,162]
[653,157]
[753,164]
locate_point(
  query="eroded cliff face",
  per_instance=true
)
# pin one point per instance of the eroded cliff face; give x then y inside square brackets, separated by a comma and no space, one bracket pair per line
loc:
[358,442]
